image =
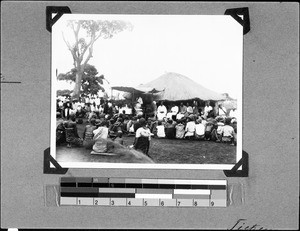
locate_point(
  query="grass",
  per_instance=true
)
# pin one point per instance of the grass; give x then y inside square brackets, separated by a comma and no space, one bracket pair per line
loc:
[162,151]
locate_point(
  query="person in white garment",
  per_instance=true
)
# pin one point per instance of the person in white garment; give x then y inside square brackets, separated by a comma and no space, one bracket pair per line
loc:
[161,111]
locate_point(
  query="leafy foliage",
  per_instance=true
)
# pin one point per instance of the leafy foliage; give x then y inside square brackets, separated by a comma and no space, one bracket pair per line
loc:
[65,92]
[90,82]
[86,33]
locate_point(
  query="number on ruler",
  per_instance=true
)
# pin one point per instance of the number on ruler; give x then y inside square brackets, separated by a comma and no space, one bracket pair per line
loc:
[195,203]
[79,201]
[212,203]
[96,202]
[145,203]
[162,203]
[178,203]
[129,202]
[112,202]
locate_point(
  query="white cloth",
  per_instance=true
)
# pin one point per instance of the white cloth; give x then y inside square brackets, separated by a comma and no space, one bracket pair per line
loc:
[190,128]
[161,131]
[207,109]
[222,112]
[100,132]
[161,112]
[179,116]
[200,129]
[233,113]
[143,132]
[140,100]
[97,101]
[220,128]
[228,131]
[174,110]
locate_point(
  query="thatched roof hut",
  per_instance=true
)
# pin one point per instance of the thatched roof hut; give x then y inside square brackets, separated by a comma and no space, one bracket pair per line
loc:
[177,87]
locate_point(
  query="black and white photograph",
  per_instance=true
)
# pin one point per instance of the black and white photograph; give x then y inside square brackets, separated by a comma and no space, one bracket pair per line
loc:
[146,91]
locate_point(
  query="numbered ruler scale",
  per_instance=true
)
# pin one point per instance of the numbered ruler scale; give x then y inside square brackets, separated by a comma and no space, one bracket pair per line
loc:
[142,192]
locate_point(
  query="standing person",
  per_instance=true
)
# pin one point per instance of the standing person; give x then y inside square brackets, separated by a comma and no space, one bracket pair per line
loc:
[142,138]
[100,138]
[154,109]
[195,108]
[105,107]
[222,110]
[207,109]
[161,111]
[67,110]
[233,113]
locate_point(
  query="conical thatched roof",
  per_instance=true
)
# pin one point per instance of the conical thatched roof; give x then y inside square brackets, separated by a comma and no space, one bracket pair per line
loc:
[175,87]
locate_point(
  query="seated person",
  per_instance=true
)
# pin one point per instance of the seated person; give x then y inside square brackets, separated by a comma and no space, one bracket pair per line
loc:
[88,133]
[180,129]
[228,132]
[60,134]
[130,125]
[72,136]
[170,130]
[160,130]
[190,128]
[208,130]
[100,138]
[125,123]
[116,126]
[189,109]
[200,130]
[219,130]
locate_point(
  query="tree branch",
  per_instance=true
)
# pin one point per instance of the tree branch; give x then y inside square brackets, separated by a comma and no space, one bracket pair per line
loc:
[68,44]
[88,57]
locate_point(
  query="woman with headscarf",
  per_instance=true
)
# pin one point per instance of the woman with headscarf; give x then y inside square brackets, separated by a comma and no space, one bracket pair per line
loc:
[100,138]
[72,136]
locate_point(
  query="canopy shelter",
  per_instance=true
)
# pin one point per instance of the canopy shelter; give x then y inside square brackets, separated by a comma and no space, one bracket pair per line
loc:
[133,92]
[138,90]
[176,87]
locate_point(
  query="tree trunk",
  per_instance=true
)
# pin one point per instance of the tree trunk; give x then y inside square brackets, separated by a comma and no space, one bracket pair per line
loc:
[77,88]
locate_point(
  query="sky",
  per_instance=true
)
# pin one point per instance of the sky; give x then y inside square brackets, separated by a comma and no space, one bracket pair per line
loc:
[206,48]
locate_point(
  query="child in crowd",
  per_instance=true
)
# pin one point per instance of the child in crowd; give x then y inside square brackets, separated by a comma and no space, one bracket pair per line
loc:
[219,130]
[208,130]
[160,130]
[180,129]
[190,128]
[130,125]
[199,130]
[119,138]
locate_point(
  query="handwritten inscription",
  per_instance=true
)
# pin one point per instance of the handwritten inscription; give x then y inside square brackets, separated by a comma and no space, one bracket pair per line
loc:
[242,225]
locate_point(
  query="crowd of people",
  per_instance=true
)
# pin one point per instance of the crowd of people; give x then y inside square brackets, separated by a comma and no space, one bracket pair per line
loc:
[105,120]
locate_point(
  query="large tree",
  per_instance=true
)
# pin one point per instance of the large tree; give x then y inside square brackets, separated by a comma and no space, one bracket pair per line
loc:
[86,33]
[90,82]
